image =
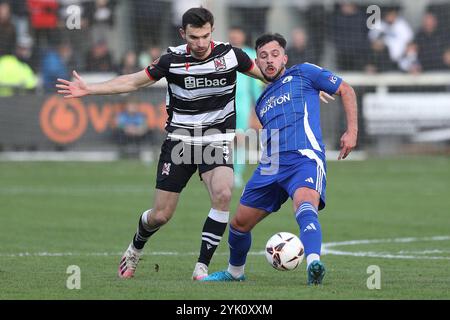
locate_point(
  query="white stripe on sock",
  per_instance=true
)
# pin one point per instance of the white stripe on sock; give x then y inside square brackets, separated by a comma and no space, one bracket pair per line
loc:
[214,243]
[211,235]
[144,219]
[218,215]
[305,207]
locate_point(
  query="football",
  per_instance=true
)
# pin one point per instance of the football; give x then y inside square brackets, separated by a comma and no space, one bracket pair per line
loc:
[284,251]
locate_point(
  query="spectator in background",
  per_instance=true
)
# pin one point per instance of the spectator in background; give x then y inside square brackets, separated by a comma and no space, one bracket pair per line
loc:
[394,31]
[147,57]
[378,59]
[349,34]
[430,41]
[297,50]
[101,17]
[15,75]
[130,127]
[247,92]
[250,16]
[129,63]
[44,21]
[20,19]
[55,64]
[446,59]
[25,52]
[178,9]
[7,30]
[64,12]
[80,38]
[101,13]
[99,58]
[315,16]
[149,16]
[409,62]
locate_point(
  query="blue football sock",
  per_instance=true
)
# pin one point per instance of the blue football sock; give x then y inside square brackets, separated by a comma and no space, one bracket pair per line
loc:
[239,244]
[310,231]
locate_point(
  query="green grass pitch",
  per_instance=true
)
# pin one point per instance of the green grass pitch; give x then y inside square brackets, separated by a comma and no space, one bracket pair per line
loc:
[53,215]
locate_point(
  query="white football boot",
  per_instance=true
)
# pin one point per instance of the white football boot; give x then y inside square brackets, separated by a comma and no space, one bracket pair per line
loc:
[200,271]
[129,261]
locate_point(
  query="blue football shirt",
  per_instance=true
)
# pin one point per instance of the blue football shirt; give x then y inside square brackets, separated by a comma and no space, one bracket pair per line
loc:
[289,109]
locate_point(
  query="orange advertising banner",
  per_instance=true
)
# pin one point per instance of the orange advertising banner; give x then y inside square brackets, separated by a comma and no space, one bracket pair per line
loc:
[48,122]
[66,120]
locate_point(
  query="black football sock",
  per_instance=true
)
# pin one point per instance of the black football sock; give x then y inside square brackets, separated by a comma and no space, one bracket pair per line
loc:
[143,232]
[212,233]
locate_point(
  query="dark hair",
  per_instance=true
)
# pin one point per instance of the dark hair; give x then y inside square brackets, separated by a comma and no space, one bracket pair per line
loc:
[269,37]
[197,17]
[236,27]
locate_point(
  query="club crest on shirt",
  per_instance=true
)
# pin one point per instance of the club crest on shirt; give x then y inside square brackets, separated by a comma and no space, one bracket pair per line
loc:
[220,64]
[332,79]
[226,153]
[153,64]
[166,168]
[287,79]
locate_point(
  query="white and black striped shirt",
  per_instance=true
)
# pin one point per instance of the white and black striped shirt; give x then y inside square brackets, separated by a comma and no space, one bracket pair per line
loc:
[201,93]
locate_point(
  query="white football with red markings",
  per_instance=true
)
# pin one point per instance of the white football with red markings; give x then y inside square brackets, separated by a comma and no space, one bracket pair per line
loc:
[284,251]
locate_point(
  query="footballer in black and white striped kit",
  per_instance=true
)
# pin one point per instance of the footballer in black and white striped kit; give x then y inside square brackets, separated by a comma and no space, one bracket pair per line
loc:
[201,77]
[201,93]
[201,109]
[200,103]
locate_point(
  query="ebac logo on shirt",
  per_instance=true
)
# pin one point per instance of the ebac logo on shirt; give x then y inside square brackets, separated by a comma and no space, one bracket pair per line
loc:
[193,83]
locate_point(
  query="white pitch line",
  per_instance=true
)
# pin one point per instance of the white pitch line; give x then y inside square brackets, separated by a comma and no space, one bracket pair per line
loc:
[104,254]
[382,255]
[423,252]
[72,191]
[326,250]
[372,241]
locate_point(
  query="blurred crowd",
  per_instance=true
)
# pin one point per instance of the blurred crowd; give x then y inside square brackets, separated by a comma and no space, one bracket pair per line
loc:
[393,45]
[47,39]
[38,39]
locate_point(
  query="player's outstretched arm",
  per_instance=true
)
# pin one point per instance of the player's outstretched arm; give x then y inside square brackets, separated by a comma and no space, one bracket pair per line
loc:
[256,73]
[122,84]
[348,139]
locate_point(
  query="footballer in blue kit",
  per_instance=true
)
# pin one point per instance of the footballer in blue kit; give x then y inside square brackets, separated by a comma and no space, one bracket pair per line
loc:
[291,108]
[293,162]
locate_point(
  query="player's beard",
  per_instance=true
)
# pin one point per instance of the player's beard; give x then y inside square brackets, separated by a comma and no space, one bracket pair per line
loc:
[277,75]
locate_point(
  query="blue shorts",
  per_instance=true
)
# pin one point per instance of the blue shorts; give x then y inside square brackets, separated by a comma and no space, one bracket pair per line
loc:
[268,189]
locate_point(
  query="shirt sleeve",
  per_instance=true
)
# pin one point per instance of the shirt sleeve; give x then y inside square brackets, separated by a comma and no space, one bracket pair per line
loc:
[322,79]
[159,68]
[244,62]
